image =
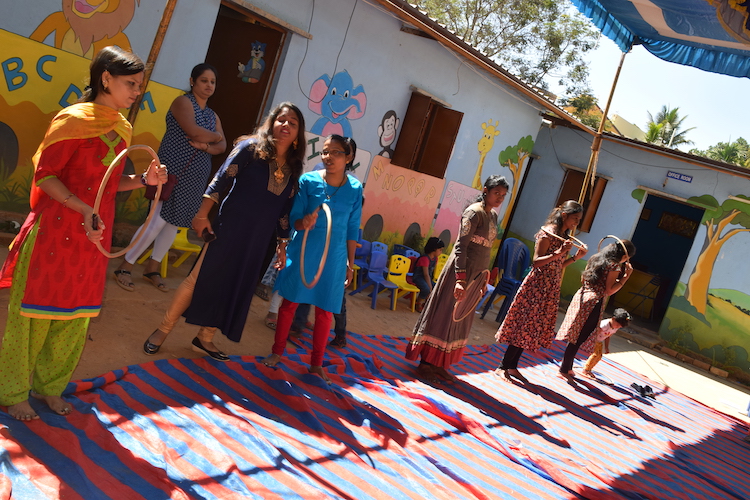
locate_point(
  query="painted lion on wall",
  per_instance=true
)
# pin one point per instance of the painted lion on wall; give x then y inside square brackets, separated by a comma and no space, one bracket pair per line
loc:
[86,26]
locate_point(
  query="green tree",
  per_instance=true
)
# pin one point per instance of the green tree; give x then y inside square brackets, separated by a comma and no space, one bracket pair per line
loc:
[533,39]
[736,152]
[722,223]
[670,134]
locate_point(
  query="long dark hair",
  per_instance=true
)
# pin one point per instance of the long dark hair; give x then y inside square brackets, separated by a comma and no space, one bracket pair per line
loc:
[492,182]
[265,146]
[610,254]
[555,217]
[115,60]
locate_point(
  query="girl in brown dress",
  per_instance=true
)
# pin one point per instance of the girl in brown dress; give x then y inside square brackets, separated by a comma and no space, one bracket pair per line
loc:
[438,340]
[530,322]
[606,272]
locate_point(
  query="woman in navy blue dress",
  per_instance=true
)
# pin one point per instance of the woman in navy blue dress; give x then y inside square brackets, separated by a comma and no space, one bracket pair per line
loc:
[259,177]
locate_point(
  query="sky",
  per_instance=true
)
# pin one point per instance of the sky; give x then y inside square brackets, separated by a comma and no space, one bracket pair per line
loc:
[713,103]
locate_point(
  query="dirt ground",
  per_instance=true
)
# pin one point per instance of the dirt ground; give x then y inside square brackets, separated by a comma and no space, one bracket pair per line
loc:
[116,337]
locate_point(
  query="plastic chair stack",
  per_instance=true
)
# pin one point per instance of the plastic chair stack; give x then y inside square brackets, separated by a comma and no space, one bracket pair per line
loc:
[375,278]
[180,243]
[361,259]
[514,260]
[397,271]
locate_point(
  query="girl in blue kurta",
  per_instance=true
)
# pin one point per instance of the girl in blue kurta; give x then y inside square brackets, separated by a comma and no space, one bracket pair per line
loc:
[343,195]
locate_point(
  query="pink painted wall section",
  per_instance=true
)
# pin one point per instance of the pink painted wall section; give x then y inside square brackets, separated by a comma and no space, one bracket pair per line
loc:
[400,196]
[457,198]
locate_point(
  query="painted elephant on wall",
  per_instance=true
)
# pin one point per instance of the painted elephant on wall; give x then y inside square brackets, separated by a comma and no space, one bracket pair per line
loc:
[337,100]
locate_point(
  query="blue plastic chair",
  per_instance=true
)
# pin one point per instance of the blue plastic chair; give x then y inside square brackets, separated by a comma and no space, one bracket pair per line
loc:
[375,277]
[401,250]
[361,259]
[409,253]
[378,246]
[513,261]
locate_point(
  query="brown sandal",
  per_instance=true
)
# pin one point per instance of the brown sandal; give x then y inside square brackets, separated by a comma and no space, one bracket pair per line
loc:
[150,277]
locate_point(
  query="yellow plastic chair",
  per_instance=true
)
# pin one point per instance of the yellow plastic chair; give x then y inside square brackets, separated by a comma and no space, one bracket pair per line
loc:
[398,268]
[180,243]
[442,259]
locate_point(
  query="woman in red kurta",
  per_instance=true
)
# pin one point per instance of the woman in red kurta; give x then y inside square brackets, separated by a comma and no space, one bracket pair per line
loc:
[54,269]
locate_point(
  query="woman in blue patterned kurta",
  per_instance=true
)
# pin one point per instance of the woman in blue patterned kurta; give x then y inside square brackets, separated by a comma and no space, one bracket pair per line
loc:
[193,134]
[343,195]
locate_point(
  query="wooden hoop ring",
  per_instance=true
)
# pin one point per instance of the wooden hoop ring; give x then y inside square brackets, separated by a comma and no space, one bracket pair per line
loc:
[624,248]
[576,242]
[103,186]
[483,276]
[323,257]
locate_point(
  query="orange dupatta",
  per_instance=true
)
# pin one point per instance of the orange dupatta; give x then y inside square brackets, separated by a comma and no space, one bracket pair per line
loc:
[82,120]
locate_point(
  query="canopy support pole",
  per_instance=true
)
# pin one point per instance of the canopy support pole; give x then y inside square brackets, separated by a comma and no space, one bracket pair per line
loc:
[152,56]
[590,177]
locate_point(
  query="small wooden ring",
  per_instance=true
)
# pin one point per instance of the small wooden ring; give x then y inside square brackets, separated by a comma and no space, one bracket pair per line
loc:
[476,284]
[323,257]
[576,242]
[103,186]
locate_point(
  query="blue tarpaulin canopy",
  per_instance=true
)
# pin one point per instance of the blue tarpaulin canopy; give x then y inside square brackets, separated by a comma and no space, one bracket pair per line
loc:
[712,35]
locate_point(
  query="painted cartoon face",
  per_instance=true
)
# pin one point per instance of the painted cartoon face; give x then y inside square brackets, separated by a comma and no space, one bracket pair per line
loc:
[205,85]
[285,127]
[571,221]
[389,131]
[334,156]
[122,90]
[495,196]
[87,8]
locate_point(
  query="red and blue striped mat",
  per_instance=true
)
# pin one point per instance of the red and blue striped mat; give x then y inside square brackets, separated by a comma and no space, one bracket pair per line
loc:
[198,429]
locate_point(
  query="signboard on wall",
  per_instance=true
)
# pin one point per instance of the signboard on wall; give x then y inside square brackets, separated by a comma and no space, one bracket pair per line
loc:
[398,202]
[457,198]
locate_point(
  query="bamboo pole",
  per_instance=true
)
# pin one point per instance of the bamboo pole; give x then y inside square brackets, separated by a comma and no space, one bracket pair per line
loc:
[152,56]
[596,144]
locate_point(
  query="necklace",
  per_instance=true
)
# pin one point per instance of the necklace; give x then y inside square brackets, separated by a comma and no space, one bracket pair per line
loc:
[278,174]
[329,196]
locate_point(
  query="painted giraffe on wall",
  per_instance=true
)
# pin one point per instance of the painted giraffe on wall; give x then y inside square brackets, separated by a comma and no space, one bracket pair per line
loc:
[484,145]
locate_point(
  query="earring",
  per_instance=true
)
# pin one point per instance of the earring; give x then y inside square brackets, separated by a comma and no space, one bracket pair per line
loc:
[104,84]
[295,143]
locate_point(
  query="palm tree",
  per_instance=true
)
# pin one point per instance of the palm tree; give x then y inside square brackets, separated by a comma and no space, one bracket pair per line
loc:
[670,124]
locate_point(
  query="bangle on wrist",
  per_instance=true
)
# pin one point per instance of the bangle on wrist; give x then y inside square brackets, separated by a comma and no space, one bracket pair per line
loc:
[200,218]
[65,201]
[143,179]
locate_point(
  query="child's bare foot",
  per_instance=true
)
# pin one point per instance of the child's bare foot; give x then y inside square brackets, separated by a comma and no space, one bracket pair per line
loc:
[569,376]
[318,370]
[272,360]
[56,403]
[22,411]
[588,374]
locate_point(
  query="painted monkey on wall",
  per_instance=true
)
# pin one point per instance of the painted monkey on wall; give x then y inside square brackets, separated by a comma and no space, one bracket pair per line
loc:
[387,133]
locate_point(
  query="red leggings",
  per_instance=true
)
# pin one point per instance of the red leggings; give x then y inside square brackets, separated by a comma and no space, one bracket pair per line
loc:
[322,329]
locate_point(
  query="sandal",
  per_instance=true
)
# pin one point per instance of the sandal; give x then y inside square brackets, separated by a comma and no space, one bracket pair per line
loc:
[150,277]
[262,292]
[338,342]
[271,322]
[125,285]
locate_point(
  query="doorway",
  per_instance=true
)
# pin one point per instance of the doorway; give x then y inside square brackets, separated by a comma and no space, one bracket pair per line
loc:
[245,50]
[663,238]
